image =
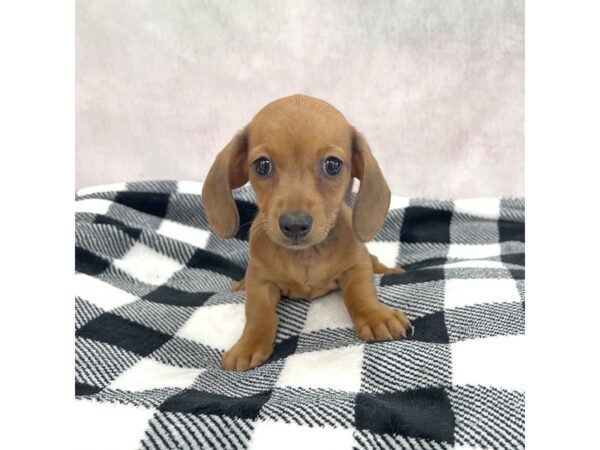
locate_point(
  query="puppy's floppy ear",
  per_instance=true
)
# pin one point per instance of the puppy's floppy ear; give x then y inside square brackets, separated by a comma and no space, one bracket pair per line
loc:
[373,198]
[228,172]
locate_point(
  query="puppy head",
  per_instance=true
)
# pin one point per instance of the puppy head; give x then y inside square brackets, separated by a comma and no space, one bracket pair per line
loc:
[300,155]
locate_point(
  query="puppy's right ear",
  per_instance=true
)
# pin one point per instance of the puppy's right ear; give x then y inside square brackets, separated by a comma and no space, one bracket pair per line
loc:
[228,172]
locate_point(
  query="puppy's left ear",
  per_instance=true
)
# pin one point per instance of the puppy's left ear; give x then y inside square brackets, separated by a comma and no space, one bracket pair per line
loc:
[228,172]
[373,198]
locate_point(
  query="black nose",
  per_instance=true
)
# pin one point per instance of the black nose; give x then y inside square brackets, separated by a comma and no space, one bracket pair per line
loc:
[295,225]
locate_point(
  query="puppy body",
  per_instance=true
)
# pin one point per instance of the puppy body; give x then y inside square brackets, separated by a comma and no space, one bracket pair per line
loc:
[297,135]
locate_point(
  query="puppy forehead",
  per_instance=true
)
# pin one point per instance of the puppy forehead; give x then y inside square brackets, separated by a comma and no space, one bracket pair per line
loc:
[299,124]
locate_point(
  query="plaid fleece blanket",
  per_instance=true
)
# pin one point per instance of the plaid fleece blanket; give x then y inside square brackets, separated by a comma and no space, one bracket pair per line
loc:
[154,314]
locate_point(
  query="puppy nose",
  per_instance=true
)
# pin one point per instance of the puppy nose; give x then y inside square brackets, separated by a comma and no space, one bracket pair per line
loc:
[295,225]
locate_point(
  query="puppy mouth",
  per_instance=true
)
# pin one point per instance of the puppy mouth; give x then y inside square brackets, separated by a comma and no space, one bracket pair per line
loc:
[296,244]
[320,237]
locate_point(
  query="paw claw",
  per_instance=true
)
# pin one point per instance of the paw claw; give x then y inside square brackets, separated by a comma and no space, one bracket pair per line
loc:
[382,324]
[366,334]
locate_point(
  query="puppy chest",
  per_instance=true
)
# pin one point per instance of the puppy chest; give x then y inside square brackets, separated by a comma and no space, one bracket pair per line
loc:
[307,291]
[307,283]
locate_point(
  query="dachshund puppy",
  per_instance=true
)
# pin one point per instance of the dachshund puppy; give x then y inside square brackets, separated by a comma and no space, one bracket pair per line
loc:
[300,155]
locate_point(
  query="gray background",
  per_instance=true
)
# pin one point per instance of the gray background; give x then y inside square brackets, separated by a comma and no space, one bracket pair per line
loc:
[436,86]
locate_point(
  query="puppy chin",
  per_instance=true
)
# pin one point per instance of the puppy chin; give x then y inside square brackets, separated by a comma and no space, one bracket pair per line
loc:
[296,245]
[301,244]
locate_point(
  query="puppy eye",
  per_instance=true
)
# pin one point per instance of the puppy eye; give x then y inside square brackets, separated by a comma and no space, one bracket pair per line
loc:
[262,166]
[332,166]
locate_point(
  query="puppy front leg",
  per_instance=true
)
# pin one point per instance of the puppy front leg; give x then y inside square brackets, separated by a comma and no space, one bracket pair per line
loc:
[256,343]
[372,320]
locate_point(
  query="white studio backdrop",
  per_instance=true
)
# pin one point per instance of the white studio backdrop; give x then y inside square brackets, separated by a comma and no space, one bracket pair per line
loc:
[437,87]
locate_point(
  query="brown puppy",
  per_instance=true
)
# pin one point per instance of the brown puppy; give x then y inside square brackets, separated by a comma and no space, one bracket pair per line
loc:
[300,156]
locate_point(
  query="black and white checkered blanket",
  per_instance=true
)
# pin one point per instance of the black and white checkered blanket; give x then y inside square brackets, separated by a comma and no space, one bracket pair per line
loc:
[154,314]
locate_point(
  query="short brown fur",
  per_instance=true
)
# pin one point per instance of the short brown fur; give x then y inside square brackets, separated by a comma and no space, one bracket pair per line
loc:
[297,133]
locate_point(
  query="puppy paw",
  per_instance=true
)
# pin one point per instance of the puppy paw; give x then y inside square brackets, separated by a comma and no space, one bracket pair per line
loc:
[380,324]
[244,356]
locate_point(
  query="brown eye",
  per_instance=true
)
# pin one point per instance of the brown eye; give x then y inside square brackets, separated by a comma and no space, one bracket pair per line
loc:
[262,167]
[332,166]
